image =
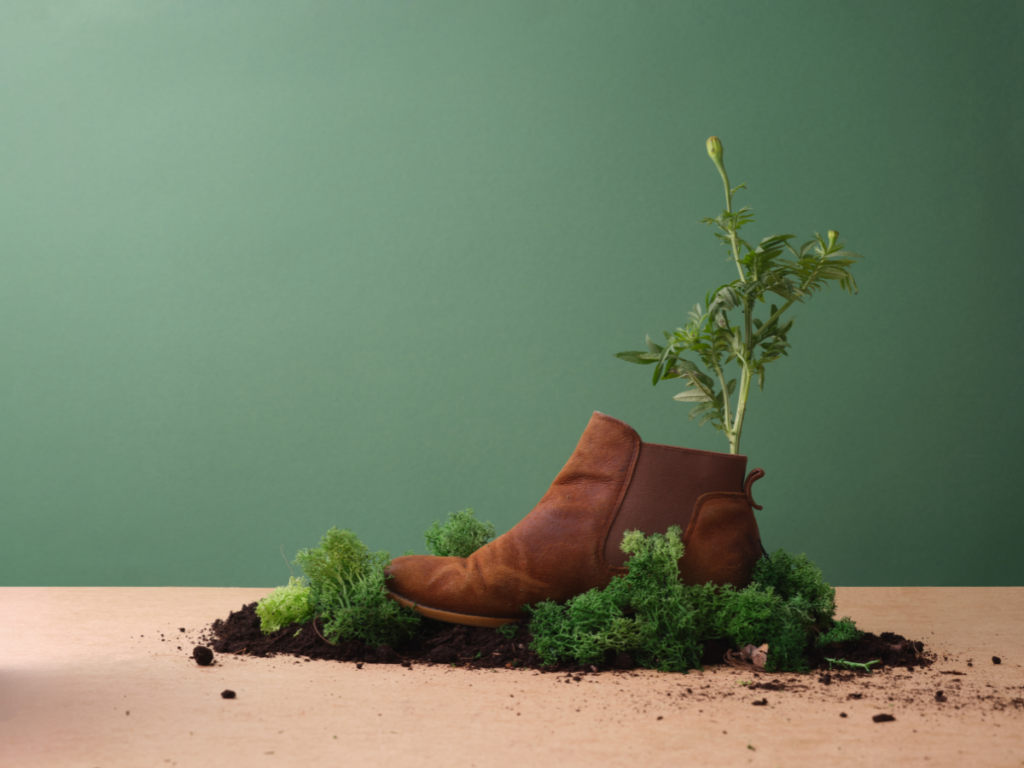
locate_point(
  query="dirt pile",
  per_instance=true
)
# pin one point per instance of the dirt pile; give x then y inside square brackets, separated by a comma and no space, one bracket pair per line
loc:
[483,648]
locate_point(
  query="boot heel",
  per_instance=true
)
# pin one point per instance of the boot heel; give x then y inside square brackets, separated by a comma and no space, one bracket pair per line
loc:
[722,541]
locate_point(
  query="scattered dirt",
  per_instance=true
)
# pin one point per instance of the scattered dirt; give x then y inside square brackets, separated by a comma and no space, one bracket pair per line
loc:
[202,655]
[907,675]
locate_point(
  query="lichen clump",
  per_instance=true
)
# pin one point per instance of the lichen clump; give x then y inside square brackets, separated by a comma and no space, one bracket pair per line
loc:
[664,624]
[460,536]
[343,585]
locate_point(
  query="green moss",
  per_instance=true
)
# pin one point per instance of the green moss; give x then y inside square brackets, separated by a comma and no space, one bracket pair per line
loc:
[460,536]
[344,584]
[585,628]
[365,612]
[347,591]
[285,605]
[661,630]
[664,624]
[795,575]
[339,562]
[842,631]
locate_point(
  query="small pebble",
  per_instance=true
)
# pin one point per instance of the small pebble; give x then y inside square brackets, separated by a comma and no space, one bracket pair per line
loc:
[227,694]
[996,660]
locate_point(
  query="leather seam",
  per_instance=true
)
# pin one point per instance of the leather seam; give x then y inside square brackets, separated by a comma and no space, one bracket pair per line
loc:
[602,543]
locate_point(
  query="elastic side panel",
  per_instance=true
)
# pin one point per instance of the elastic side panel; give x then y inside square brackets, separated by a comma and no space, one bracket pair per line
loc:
[666,484]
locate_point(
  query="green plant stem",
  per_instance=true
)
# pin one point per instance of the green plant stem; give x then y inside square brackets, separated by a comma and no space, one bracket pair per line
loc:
[745,378]
[725,402]
[741,410]
[853,664]
[732,230]
[734,428]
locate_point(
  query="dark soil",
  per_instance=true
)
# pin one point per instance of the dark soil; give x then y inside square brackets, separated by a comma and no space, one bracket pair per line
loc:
[482,648]
[891,649]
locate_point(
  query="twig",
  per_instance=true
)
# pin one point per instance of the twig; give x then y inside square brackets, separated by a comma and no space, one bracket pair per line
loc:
[318,632]
[852,664]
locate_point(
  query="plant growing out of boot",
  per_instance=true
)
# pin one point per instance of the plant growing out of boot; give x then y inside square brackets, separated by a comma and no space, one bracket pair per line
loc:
[711,337]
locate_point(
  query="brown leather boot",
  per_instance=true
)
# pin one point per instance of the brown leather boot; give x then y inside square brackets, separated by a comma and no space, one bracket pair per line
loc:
[569,543]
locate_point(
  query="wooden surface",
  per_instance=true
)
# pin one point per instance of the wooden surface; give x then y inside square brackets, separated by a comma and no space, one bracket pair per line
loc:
[94,677]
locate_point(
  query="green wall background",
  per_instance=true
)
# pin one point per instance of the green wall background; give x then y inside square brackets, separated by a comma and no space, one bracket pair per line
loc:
[269,267]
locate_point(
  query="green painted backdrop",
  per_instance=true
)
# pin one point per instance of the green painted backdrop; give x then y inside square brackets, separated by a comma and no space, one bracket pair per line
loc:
[269,267]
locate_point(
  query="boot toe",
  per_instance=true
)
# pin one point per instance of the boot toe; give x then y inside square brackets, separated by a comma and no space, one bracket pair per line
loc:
[444,588]
[406,575]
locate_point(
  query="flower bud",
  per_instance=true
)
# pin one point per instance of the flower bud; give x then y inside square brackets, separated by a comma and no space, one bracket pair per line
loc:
[832,237]
[715,149]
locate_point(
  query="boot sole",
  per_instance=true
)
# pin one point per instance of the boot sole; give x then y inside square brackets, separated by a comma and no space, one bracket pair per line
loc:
[466,619]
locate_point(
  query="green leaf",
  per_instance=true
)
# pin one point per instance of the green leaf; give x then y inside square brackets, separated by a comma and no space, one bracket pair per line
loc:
[686,365]
[655,348]
[697,410]
[775,240]
[706,380]
[727,297]
[709,416]
[692,396]
[635,357]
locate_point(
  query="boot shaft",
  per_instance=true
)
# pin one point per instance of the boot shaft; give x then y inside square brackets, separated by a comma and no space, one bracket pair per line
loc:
[663,491]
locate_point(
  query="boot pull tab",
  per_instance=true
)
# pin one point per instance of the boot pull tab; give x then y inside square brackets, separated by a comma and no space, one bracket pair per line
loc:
[753,477]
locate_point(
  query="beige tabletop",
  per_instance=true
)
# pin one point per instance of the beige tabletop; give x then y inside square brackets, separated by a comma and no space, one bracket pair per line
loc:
[100,677]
